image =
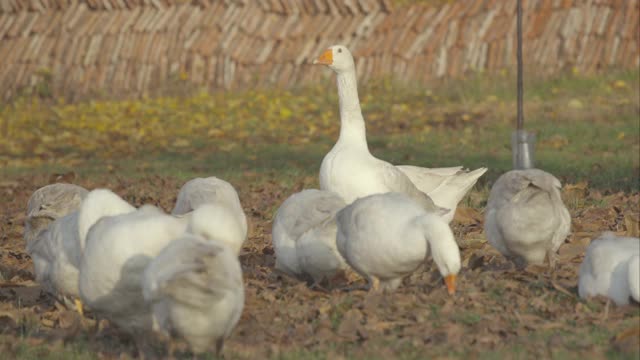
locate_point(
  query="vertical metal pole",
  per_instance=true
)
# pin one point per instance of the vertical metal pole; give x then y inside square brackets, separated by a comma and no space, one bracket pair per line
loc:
[520,119]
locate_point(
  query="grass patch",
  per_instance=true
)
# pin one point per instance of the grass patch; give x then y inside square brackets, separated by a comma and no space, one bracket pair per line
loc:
[587,129]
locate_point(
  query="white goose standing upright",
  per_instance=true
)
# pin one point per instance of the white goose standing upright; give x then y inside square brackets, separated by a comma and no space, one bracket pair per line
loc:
[350,169]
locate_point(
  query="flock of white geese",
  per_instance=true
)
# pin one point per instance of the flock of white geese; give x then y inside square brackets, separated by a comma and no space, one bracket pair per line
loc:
[178,274]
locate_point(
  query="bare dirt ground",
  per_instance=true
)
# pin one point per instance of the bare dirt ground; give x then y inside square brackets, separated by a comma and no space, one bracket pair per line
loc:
[498,312]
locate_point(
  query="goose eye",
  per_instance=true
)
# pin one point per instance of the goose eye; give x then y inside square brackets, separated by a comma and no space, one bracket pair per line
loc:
[339,50]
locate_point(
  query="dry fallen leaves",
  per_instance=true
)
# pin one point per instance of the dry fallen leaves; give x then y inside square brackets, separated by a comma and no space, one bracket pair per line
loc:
[495,306]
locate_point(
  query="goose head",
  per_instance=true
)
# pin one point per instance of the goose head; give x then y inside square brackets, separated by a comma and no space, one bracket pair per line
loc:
[444,249]
[447,260]
[338,58]
[49,203]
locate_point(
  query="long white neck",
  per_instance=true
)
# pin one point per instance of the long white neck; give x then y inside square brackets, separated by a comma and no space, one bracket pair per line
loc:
[352,129]
[443,246]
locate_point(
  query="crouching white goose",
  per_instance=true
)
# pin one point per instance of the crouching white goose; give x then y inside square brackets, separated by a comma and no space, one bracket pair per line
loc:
[611,268]
[525,218]
[385,237]
[195,284]
[49,203]
[304,235]
[350,170]
[57,251]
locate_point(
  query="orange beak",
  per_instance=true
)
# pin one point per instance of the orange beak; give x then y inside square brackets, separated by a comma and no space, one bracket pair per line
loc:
[450,281]
[326,58]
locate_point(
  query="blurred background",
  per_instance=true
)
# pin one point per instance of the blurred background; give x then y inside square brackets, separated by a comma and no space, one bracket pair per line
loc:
[230,82]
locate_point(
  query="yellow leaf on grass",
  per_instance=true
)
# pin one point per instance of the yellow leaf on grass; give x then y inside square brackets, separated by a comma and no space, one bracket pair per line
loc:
[215,132]
[181,143]
[619,84]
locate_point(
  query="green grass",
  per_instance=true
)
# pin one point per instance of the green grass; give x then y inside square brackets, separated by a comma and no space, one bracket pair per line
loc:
[587,130]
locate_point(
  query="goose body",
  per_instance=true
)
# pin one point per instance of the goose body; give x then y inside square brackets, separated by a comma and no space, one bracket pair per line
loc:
[611,268]
[525,218]
[199,191]
[56,252]
[351,171]
[117,251]
[304,234]
[195,285]
[49,203]
[385,237]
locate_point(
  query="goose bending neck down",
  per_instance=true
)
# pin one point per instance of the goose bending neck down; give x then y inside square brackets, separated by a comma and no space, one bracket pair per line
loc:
[444,249]
[385,237]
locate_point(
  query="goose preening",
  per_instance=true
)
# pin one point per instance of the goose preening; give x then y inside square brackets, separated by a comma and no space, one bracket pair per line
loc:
[525,218]
[385,237]
[304,235]
[195,284]
[350,169]
[56,251]
[209,190]
[611,268]
[117,251]
[49,203]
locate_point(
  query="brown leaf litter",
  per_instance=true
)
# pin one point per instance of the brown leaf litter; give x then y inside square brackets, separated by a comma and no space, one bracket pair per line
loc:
[497,308]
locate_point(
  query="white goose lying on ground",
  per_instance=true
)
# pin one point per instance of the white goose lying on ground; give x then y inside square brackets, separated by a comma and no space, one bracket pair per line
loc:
[49,203]
[57,251]
[195,284]
[350,170]
[525,218]
[385,237]
[304,235]
[611,268]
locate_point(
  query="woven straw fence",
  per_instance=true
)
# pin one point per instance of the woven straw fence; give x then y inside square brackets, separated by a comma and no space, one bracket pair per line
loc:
[134,46]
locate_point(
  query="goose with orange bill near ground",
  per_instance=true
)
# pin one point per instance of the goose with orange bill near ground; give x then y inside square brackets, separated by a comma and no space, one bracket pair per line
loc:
[385,237]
